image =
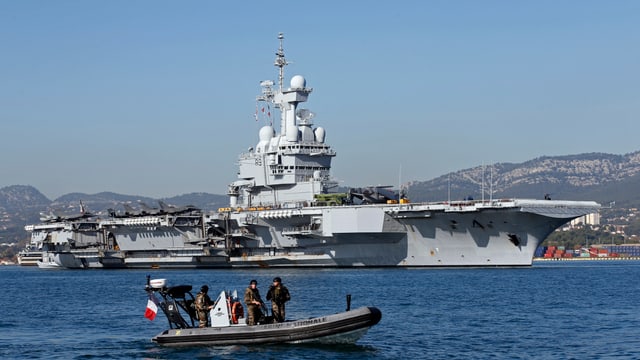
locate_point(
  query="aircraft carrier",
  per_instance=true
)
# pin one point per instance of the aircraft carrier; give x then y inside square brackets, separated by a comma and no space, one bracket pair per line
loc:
[167,236]
[282,213]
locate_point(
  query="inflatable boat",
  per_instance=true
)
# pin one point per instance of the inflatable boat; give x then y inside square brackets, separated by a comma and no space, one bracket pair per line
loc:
[228,324]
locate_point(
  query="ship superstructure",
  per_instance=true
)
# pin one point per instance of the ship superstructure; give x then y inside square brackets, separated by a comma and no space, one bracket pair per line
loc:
[289,167]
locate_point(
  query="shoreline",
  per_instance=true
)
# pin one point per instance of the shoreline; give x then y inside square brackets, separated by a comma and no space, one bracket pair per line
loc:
[605,258]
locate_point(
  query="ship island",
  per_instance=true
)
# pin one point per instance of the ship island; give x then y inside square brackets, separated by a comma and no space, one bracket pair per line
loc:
[284,212]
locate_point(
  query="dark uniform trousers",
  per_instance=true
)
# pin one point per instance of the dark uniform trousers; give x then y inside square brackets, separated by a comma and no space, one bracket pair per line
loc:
[278,311]
[202,318]
[253,314]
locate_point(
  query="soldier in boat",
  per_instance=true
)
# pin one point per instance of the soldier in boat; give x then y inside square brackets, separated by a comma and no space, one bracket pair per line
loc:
[254,303]
[278,294]
[203,305]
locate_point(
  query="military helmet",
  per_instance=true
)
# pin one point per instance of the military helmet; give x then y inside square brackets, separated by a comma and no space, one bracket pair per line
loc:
[204,288]
[277,279]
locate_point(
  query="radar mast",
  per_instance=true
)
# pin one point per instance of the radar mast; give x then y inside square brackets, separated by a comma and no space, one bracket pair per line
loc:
[281,62]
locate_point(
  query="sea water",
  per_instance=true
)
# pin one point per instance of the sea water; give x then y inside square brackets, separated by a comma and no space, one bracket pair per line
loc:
[553,310]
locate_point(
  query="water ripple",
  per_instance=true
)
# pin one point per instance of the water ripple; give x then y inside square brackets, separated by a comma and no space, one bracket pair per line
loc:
[549,311]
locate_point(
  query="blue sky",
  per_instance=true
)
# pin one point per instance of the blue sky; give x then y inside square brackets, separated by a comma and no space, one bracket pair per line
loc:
[157,98]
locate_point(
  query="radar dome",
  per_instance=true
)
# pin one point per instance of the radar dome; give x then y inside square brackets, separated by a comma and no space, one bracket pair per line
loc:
[298,82]
[266,133]
[320,134]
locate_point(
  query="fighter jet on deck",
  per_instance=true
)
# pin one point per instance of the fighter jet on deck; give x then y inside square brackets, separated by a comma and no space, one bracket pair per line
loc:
[54,216]
[148,210]
[172,209]
[373,194]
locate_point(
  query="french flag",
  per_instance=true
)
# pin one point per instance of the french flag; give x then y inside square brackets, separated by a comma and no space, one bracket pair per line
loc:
[152,308]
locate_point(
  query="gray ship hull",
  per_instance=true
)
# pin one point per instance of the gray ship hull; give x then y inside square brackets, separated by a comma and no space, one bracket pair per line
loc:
[131,242]
[504,233]
[470,234]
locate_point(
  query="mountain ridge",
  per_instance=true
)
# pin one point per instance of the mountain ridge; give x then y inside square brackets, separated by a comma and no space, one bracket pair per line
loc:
[567,177]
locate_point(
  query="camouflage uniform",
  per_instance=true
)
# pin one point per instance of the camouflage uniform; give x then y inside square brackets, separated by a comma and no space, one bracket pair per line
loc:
[278,294]
[253,310]
[203,303]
